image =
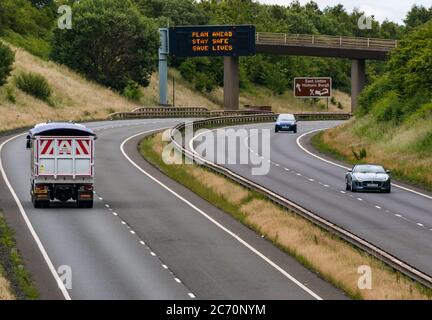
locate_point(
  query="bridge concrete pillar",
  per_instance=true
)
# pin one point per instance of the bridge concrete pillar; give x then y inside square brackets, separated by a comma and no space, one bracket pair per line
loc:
[231,83]
[358,80]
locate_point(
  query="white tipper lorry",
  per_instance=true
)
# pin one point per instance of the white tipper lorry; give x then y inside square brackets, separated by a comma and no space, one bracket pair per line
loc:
[62,164]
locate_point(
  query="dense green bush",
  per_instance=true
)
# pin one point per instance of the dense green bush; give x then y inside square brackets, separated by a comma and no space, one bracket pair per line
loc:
[28,25]
[407,84]
[111,42]
[174,12]
[10,94]
[132,91]
[203,72]
[372,93]
[35,85]
[7,58]
[388,107]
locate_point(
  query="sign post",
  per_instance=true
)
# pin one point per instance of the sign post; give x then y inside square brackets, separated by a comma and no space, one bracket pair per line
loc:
[228,41]
[312,87]
[231,42]
[204,41]
[163,66]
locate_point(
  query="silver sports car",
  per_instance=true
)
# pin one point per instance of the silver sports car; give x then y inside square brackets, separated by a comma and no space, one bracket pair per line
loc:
[364,177]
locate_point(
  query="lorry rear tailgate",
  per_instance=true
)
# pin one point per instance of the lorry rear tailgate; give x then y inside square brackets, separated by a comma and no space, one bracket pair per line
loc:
[58,157]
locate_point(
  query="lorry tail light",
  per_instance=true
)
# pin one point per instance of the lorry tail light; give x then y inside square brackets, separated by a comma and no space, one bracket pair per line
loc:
[40,188]
[87,187]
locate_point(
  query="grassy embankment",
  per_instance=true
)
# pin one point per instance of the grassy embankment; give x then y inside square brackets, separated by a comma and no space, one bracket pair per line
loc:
[332,258]
[15,280]
[405,149]
[75,98]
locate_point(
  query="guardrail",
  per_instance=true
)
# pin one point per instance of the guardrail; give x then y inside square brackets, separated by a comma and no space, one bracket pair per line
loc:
[325,41]
[162,112]
[355,240]
[199,112]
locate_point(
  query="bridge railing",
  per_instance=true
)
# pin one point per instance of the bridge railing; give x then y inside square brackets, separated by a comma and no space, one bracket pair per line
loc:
[325,41]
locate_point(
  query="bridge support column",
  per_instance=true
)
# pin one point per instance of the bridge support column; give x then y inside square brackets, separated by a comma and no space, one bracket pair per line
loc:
[231,83]
[358,80]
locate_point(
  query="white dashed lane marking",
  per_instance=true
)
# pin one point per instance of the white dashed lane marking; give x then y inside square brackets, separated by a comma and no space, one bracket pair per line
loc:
[327,186]
[164,266]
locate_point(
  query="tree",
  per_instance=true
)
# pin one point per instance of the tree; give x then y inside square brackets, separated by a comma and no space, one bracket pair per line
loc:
[410,64]
[7,58]
[417,16]
[24,18]
[42,3]
[178,12]
[111,42]
[407,84]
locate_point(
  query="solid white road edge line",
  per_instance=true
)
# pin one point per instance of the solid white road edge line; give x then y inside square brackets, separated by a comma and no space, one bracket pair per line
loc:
[30,226]
[274,265]
[247,245]
[341,166]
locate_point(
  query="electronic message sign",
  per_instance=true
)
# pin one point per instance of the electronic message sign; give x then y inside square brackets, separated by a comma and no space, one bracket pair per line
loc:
[199,41]
[312,87]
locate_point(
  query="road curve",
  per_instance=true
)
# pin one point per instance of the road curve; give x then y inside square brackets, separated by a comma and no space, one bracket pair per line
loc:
[400,222]
[141,241]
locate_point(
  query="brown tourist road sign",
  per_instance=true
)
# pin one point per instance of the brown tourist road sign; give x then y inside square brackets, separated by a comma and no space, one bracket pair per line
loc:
[312,87]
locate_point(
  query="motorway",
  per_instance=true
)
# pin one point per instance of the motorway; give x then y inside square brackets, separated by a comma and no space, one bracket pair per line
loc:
[399,223]
[148,237]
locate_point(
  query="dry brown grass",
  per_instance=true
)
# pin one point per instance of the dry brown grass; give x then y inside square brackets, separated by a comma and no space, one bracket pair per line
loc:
[5,290]
[392,148]
[74,97]
[185,94]
[333,258]
[232,192]
[158,144]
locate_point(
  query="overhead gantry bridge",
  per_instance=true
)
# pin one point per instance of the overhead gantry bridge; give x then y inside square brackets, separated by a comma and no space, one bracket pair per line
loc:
[357,49]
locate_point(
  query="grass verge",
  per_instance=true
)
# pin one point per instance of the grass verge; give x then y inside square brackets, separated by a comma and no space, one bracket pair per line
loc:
[393,147]
[332,258]
[15,280]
